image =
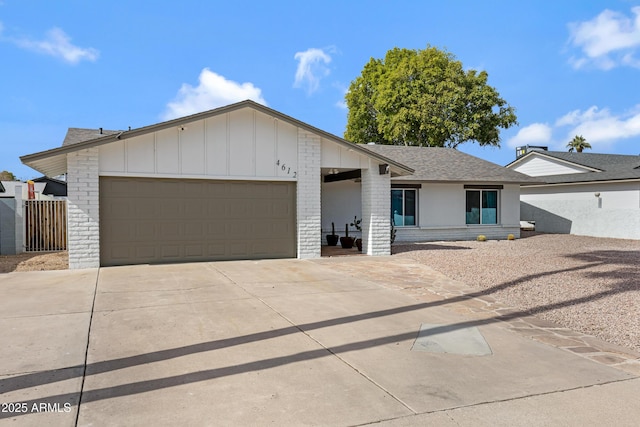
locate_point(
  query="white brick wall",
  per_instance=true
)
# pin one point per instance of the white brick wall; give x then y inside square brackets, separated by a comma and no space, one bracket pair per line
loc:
[308,195]
[376,208]
[83,209]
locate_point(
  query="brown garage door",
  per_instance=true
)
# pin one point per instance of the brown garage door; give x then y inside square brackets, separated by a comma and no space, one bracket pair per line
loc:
[148,220]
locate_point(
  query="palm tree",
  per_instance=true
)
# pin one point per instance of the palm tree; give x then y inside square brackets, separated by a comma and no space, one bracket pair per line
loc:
[578,143]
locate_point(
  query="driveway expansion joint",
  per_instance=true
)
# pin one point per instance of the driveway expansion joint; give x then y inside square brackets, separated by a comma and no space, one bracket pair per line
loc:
[86,353]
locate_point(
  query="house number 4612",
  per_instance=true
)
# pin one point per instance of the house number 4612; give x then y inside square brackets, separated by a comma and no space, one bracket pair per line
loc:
[286,169]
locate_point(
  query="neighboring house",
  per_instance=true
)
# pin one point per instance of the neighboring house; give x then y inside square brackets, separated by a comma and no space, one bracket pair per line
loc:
[582,193]
[247,182]
[11,186]
[450,196]
[53,187]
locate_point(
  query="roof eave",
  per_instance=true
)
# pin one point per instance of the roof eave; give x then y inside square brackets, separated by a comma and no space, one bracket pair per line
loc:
[603,181]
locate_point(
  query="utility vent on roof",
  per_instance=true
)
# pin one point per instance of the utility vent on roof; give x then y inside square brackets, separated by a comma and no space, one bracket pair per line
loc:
[521,151]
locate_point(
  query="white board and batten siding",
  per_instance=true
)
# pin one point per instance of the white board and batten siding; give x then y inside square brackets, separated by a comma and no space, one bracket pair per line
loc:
[539,166]
[243,145]
[340,157]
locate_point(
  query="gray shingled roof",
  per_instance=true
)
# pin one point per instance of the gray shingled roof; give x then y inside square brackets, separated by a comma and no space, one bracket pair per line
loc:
[612,167]
[448,165]
[76,135]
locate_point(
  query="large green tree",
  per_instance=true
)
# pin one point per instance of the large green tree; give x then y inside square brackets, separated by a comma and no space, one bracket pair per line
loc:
[424,98]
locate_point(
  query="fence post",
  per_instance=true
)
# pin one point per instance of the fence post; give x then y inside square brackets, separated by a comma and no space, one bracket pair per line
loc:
[19,224]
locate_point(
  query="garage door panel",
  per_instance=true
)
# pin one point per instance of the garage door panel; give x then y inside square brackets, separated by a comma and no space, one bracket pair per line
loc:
[216,250]
[216,189]
[145,231]
[215,230]
[167,251]
[193,230]
[194,251]
[144,210]
[238,248]
[145,252]
[146,220]
[168,230]
[167,209]
[195,208]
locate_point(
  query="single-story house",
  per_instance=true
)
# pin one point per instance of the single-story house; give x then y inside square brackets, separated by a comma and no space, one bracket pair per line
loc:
[587,194]
[245,181]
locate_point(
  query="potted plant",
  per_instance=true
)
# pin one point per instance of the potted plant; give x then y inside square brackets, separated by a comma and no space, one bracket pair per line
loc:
[346,241]
[356,223]
[393,231]
[332,239]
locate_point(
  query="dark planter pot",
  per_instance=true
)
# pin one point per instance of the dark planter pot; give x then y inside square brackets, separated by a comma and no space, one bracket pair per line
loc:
[332,239]
[346,242]
[359,244]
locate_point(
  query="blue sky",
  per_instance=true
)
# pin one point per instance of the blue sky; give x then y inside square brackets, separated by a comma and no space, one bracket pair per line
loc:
[568,67]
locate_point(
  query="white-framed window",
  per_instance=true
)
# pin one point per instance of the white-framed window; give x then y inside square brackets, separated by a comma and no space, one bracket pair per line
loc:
[482,206]
[404,207]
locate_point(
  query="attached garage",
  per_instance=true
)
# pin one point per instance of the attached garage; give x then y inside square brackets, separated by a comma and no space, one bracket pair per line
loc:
[148,220]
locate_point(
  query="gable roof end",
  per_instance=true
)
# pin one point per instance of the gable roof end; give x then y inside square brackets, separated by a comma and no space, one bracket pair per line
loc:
[602,167]
[53,162]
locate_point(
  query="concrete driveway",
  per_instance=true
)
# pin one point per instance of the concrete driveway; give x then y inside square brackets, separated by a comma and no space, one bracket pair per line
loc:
[340,341]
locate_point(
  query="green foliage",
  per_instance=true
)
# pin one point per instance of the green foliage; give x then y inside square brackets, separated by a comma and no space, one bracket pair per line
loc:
[7,176]
[578,143]
[424,98]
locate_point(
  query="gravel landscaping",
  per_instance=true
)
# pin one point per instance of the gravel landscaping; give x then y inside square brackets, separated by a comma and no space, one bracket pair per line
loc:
[34,262]
[587,284]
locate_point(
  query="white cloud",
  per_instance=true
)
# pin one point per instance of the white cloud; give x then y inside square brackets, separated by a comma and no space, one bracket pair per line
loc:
[312,67]
[576,116]
[213,91]
[536,133]
[608,40]
[58,44]
[600,127]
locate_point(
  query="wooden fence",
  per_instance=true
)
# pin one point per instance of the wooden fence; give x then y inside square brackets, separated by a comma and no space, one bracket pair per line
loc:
[45,225]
